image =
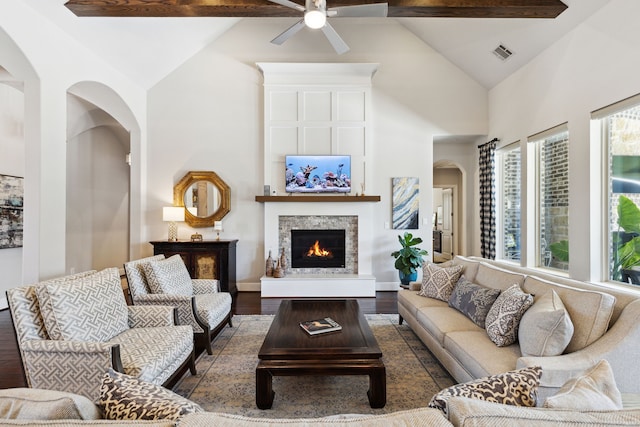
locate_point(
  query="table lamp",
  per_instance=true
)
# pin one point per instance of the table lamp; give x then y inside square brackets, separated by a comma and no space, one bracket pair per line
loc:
[172,214]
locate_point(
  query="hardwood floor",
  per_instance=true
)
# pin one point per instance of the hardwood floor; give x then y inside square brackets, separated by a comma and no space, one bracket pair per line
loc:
[12,375]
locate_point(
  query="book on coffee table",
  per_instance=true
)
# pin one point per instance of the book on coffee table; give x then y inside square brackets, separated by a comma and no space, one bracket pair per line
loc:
[320,326]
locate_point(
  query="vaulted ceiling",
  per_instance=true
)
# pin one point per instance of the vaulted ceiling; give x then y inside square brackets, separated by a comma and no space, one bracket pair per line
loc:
[147,39]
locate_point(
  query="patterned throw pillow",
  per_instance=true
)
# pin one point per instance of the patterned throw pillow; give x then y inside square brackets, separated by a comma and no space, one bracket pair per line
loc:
[504,316]
[123,397]
[546,328]
[438,282]
[44,301]
[473,300]
[168,276]
[516,388]
[90,308]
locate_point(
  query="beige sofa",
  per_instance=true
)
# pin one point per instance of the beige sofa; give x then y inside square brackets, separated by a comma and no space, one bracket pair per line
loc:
[607,326]
[55,408]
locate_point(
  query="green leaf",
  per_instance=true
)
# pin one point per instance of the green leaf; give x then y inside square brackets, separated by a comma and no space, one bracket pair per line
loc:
[628,215]
[560,250]
[629,253]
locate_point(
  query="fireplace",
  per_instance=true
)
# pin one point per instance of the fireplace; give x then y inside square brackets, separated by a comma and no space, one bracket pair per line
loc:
[317,248]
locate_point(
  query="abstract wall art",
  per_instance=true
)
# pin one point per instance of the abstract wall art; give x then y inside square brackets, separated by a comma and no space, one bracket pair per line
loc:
[406,203]
[11,207]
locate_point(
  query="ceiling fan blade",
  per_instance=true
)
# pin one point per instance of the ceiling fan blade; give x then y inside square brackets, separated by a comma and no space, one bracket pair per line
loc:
[359,11]
[290,4]
[283,37]
[336,41]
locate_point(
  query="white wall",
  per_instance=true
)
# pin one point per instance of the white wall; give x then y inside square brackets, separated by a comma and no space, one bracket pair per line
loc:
[207,115]
[49,63]
[593,66]
[11,163]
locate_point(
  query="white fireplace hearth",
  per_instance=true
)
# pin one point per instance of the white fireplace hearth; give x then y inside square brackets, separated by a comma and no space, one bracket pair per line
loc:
[354,280]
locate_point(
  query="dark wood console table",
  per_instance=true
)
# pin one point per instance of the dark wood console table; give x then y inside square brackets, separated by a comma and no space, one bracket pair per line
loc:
[209,259]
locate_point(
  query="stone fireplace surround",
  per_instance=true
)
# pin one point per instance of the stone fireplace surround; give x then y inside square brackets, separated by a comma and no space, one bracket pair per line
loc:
[355,280]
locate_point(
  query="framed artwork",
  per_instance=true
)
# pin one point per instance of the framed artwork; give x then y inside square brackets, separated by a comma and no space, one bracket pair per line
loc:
[11,207]
[406,203]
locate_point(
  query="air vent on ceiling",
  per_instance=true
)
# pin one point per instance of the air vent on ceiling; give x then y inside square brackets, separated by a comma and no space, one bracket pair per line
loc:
[502,52]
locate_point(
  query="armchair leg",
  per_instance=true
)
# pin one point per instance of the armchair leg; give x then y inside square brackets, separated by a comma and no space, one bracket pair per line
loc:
[192,363]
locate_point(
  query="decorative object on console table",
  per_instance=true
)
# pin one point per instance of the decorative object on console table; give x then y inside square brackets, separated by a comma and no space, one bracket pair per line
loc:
[172,214]
[217,225]
[197,237]
[209,259]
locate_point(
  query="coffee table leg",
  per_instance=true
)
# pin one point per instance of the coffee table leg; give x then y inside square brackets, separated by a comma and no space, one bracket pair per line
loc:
[377,387]
[264,389]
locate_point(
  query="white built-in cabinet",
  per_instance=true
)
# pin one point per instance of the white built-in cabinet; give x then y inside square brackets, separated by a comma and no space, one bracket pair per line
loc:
[317,109]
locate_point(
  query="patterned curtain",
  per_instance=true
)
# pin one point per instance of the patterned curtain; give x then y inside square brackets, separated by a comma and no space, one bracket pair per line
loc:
[488,200]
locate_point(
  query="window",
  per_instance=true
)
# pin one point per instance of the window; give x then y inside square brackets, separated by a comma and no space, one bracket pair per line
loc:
[552,217]
[621,135]
[508,199]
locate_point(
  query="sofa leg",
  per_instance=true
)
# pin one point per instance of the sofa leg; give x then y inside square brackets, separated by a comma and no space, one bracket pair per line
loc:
[400,320]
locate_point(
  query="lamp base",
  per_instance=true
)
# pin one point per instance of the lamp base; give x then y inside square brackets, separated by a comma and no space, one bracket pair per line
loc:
[173,232]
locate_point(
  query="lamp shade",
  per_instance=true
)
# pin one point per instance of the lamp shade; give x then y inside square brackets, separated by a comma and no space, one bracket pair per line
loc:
[173,213]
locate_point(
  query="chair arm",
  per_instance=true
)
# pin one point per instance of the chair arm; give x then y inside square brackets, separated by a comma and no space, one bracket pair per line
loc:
[185,305]
[619,346]
[70,366]
[151,316]
[205,286]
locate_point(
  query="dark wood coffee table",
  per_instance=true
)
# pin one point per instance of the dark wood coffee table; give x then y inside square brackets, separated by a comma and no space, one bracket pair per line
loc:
[289,350]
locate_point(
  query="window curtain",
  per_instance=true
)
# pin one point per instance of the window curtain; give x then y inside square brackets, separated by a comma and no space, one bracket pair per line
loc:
[488,199]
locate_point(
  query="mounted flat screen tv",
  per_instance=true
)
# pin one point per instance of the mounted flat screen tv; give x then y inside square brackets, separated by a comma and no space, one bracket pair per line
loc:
[318,174]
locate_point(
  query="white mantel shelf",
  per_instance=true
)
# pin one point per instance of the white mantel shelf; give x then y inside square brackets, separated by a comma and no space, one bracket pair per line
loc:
[310,199]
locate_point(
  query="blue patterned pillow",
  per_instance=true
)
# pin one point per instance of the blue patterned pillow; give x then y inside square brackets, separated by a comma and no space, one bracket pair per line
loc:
[473,300]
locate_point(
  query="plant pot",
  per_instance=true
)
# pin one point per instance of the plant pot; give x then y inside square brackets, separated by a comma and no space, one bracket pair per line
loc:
[405,279]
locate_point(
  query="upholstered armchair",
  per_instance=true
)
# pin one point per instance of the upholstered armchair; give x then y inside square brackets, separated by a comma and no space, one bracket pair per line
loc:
[201,304]
[70,330]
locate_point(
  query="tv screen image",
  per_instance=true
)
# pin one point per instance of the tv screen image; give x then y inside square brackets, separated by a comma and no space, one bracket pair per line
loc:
[318,174]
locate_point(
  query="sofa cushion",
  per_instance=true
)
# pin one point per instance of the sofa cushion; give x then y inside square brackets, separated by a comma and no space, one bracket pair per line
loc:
[440,321]
[153,354]
[590,311]
[411,417]
[213,308]
[39,404]
[516,388]
[497,278]
[504,316]
[595,390]
[90,308]
[168,276]
[479,355]
[412,302]
[477,413]
[123,397]
[44,301]
[473,300]
[438,282]
[546,328]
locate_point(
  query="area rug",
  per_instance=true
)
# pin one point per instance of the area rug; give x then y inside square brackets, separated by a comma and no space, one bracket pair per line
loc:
[226,379]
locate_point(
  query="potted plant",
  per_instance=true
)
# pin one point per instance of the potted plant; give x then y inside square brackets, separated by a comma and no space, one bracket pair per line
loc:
[627,242]
[409,258]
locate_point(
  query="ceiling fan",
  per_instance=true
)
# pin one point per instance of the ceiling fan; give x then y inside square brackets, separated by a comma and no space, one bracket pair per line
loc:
[316,14]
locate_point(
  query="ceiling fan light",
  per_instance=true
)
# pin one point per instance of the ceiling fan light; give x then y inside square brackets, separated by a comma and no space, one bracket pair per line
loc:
[315,19]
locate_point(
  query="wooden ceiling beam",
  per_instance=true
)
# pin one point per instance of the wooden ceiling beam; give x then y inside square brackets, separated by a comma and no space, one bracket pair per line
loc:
[263,8]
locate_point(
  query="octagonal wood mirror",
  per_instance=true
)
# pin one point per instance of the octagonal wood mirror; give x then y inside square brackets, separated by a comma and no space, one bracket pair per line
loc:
[205,197]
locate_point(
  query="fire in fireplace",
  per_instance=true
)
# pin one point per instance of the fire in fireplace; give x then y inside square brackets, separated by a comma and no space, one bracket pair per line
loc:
[317,248]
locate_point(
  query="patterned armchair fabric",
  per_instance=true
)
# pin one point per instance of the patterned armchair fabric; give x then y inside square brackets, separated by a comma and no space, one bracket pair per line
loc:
[158,280]
[72,329]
